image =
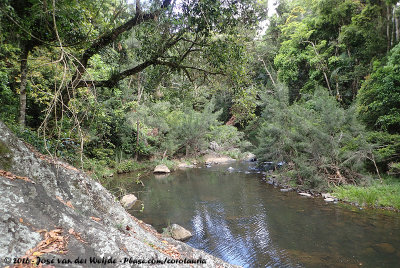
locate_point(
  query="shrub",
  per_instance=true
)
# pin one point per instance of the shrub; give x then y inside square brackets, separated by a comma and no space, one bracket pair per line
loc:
[190,129]
[321,142]
[127,166]
[379,97]
[228,137]
[387,151]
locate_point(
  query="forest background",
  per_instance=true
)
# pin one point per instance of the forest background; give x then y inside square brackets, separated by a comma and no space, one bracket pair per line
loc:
[115,86]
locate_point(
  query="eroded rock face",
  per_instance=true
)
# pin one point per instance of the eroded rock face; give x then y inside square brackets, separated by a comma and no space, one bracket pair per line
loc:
[39,194]
[161,169]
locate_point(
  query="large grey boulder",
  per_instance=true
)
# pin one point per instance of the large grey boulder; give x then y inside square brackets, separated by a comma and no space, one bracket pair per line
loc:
[161,169]
[43,199]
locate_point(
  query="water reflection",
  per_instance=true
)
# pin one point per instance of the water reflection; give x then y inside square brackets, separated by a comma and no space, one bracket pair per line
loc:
[241,219]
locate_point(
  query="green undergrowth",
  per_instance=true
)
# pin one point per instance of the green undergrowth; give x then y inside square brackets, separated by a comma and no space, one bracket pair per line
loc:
[385,194]
[102,169]
[131,165]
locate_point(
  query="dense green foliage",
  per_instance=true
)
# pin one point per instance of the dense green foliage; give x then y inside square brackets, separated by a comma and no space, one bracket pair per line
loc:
[347,50]
[379,97]
[320,141]
[108,81]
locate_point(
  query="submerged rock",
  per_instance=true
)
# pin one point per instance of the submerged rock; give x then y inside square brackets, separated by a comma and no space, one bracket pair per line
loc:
[286,189]
[179,233]
[385,248]
[128,201]
[161,169]
[161,176]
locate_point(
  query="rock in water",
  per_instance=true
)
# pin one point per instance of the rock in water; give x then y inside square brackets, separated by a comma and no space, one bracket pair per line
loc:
[327,195]
[286,189]
[305,194]
[250,157]
[231,169]
[128,201]
[329,199]
[216,159]
[185,165]
[161,169]
[179,233]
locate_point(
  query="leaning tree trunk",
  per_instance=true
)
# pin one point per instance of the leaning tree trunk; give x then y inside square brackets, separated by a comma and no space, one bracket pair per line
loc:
[388,21]
[22,88]
[396,24]
[140,91]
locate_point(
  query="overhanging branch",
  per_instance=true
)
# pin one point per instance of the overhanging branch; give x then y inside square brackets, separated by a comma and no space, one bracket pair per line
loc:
[109,37]
[137,69]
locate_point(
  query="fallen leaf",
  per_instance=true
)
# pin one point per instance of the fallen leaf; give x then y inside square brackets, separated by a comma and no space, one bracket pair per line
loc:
[68,204]
[53,242]
[76,235]
[95,219]
[12,176]
[37,253]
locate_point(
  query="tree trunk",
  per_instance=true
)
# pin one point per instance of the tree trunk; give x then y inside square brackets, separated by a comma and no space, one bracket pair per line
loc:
[396,23]
[268,72]
[22,88]
[393,25]
[388,21]
[396,20]
[140,90]
[323,66]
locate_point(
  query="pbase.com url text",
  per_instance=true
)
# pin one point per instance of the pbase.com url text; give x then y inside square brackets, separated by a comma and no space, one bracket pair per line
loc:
[164,261]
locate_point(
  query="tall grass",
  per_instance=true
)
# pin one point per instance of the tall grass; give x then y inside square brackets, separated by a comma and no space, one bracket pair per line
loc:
[386,194]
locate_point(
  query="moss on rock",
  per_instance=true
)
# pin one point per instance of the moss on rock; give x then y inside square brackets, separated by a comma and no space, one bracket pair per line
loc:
[5,156]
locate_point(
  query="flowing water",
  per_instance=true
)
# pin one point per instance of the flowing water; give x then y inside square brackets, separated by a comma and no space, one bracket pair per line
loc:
[243,220]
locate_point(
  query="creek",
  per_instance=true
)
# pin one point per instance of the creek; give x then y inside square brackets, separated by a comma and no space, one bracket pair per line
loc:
[241,219]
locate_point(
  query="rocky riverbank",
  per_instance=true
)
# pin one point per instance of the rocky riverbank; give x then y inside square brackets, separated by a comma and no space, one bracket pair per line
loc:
[337,194]
[52,212]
